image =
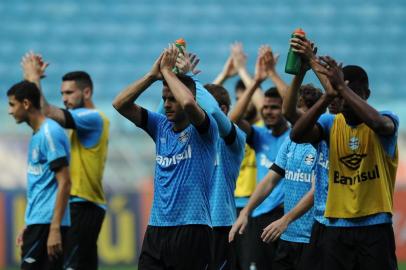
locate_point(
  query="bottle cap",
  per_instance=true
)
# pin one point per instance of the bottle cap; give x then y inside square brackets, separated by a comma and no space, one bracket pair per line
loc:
[181,42]
[299,31]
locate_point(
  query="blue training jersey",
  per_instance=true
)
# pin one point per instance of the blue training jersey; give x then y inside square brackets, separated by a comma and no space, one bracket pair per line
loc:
[227,167]
[321,184]
[183,172]
[297,163]
[266,148]
[48,147]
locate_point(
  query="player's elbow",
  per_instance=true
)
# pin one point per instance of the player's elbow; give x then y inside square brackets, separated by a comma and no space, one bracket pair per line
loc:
[296,136]
[188,104]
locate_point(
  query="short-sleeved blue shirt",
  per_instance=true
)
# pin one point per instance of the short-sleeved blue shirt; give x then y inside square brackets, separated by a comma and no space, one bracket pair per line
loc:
[298,163]
[47,146]
[227,167]
[266,147]
[184,168]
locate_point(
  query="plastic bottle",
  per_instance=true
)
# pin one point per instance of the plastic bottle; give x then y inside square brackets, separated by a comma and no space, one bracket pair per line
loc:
[294,62]
[253,266]
[181,45]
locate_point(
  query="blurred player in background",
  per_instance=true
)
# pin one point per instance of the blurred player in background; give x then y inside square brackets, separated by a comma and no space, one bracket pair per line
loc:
[89,133]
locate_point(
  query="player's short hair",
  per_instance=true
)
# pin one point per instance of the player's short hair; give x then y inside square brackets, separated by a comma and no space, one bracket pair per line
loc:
[219,93]
[357,78]
[26,90]
[240,86]
[81,78]
[272,93]
[310,94]
[187,81]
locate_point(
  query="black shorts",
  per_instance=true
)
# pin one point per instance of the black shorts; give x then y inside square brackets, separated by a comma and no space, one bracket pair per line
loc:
[34,253]
[222,253]
[179,247]
[342,248]
[81,242]
[263,253]
[242,246]
[288,255]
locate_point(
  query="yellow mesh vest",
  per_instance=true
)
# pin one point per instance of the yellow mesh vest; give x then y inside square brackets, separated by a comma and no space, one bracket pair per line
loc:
[87,166]
[361,174]
[247,179]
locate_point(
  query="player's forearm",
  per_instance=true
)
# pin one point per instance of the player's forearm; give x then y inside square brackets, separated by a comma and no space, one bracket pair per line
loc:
[245,76]
[62,196]
[237,113]
[280,85]
[301,207]
[324,81]
[262,191]
[181,93]
[289,105]
[208,103]
[366,112]
[220,79]
[302,131]
[129,95]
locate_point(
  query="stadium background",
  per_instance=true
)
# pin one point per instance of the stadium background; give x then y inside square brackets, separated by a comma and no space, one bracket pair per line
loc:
[117,41]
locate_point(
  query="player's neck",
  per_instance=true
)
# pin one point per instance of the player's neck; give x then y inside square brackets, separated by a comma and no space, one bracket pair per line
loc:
[88,104]
[180,125]
[35,120]
[279,129]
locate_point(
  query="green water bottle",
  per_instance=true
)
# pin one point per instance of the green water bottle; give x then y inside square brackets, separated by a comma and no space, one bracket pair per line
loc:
[294,62]
[181,45]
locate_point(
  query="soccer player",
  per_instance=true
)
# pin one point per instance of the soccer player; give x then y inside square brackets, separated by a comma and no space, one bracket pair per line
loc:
[246,181]
[296,165]
[89,133]
[48,181]
[230,152]
[360,161]
[266,142]
[215,100]
[178,234]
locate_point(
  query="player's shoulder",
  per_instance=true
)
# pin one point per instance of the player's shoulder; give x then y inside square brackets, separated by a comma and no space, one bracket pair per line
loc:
[390,114]
[86,112]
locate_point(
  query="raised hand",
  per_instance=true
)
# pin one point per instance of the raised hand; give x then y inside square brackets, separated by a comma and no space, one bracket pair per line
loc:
[155,70]
[305,48]
[187,62]
[270,60]
[169,57]
[33,67]
[261,69]
[333,71]
[238,56]
[274,230]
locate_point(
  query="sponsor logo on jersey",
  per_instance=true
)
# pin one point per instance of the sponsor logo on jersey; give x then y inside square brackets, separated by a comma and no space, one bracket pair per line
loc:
[353,161]
[175,159]
[299,176]
[323,161]
[358,178]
